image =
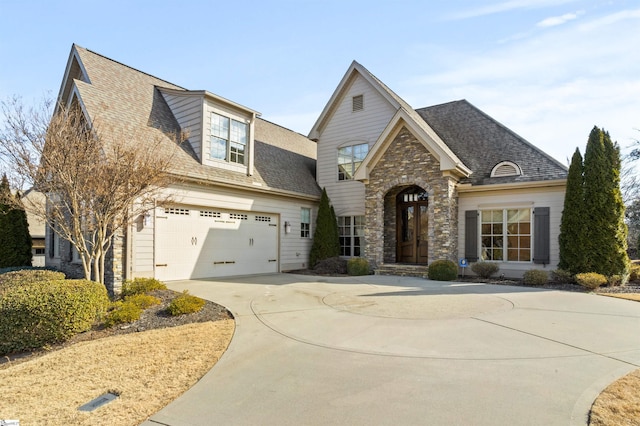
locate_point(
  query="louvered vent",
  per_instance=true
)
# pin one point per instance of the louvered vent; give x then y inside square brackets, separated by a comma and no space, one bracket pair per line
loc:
[506,168]
[358,103]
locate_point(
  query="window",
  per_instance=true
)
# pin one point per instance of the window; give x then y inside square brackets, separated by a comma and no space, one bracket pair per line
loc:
[349,159]
[228,139]
[357,103]
[38,251]
[506,168]
[305,222]
[351,231]
[506,235]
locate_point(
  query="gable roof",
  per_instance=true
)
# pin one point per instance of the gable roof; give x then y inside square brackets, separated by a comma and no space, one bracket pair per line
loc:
[131,100]
[482,143]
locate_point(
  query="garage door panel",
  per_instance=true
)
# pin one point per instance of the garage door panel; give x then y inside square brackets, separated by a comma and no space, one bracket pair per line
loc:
[213,243]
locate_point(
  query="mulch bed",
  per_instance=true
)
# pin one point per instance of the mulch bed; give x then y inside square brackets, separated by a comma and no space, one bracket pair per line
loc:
[152,318]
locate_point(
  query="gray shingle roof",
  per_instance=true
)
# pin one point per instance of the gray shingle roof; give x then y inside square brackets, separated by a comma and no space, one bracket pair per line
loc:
[129,99]
[481,143]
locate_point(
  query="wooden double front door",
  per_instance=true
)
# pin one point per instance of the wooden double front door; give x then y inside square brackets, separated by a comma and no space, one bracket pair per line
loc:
[412,231]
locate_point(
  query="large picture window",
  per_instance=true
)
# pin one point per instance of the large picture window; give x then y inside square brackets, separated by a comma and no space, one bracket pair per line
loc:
[351,231]
[228,139]
[506,235]
[349,159]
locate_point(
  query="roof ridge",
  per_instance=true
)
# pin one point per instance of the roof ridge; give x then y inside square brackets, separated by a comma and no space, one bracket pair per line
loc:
[127,66]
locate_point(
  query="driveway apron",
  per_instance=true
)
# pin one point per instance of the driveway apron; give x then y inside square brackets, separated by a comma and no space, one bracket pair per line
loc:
[401,351]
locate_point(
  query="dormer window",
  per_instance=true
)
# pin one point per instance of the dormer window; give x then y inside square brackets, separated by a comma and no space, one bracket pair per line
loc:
[506,168]
[228,139]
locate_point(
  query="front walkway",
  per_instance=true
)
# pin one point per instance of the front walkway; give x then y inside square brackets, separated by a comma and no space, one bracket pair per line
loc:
[391,350]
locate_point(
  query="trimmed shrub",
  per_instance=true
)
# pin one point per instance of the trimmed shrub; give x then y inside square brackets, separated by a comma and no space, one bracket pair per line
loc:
[330,266]
[142,301]
[141,286]
[123,312]
[485,269]
[535,277]
[358,266]
[36,314]
[562,276]
[27,276]
[443,270]
[591,280]
[185,304]
[615,280]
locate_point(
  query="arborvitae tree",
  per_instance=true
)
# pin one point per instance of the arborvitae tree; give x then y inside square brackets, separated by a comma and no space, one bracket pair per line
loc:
[15,240]
[573,225]
[325,236]
[604,210]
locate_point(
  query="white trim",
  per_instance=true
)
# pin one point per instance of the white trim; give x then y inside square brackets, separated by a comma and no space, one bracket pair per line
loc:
[517,171]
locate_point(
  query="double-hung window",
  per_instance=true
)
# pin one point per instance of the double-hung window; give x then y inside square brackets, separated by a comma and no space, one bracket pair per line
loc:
[506,235]
[349,159]
[351,234]
[305,222]
[228,139]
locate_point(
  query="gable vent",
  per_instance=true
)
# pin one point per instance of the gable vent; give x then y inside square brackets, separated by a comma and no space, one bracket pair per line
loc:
[358,103]
[506,168]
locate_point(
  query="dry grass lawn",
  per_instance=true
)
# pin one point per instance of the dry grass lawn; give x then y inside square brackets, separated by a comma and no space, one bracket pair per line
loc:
[148,369]
[628,296]
[619,404]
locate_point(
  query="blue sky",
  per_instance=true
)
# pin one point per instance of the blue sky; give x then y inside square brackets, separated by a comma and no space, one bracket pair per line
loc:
[548,69]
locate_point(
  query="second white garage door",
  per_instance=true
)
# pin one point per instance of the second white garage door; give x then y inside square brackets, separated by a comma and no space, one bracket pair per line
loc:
[200,243]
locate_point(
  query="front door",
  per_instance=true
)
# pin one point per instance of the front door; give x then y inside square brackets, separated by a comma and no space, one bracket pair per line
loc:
[412,230]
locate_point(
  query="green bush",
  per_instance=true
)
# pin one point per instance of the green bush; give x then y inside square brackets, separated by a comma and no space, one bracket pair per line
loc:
[535,277]
[142,301]
[185,304]
[141,286]
[443,270]
[615,280]
[123,312]
[485,269]
[26,276]
[591,280]
[33,315]
[358,266]
[562,276]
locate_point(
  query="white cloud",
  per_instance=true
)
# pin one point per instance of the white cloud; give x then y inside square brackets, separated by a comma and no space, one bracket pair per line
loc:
[507,6]
[559,20]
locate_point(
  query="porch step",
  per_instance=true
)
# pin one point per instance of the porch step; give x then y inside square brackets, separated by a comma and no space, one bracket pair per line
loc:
[402,270]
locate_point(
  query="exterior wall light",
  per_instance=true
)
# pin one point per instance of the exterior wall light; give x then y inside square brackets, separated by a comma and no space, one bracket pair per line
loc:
[287,228]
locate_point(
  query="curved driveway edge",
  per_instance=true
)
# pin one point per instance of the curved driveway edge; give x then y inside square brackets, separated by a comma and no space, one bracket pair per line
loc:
[399,350]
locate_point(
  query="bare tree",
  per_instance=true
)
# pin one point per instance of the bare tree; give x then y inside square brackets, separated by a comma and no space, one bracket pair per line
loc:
[96,179]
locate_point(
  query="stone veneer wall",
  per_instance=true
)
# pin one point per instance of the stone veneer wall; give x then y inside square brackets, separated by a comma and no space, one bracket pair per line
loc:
[406,162]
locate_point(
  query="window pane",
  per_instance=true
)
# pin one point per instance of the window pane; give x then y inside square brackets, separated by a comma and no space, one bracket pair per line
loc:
[496,216]
[497,229]
[486,228]
[219,126]
[525,242]
[238,132]
[512,228]
[525,228]
[218,148]
[525,255]
[513,255]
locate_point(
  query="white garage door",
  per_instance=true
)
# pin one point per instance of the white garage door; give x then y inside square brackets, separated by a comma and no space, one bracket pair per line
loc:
[202,243]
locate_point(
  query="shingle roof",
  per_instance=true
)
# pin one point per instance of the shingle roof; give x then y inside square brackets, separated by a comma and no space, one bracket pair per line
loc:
[481,143]
[130,99]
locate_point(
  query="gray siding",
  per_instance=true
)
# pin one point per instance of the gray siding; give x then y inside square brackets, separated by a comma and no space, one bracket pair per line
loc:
[188,112]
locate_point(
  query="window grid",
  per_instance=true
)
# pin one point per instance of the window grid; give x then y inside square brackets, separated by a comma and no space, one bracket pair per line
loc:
[228,139]
[209,213]
[238,216]
[175,210]
[263,219]
[351,235]
[349,159]
[510,226]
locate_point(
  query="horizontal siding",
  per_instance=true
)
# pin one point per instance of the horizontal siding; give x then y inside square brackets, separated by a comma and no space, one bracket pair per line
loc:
[293,250]
[188,112]
[346,127]
[537,197]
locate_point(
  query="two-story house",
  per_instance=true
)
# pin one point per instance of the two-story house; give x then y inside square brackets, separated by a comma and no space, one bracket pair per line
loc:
[408,186]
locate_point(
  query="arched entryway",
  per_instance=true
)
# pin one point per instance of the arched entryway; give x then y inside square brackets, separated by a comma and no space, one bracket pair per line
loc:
[412,223]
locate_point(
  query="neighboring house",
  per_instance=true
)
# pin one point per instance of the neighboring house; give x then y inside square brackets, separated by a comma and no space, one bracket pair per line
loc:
[442,182]
[36,227]
[408,186]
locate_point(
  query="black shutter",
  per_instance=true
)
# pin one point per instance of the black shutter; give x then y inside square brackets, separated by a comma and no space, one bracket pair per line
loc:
[471,235]
[541,235]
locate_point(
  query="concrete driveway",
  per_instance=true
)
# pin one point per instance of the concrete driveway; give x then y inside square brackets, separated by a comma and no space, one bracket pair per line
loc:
[403,351]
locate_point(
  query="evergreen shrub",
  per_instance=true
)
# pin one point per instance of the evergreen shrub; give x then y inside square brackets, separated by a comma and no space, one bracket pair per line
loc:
[485,269]
[562,276]
[122,313]
[443,270]
[185,304]
[535,277]
[358,266]
[331,266]
[591,280]
[142,301]
[141,286]
[634,272]
[326,241]
[28,276]
[33,315]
